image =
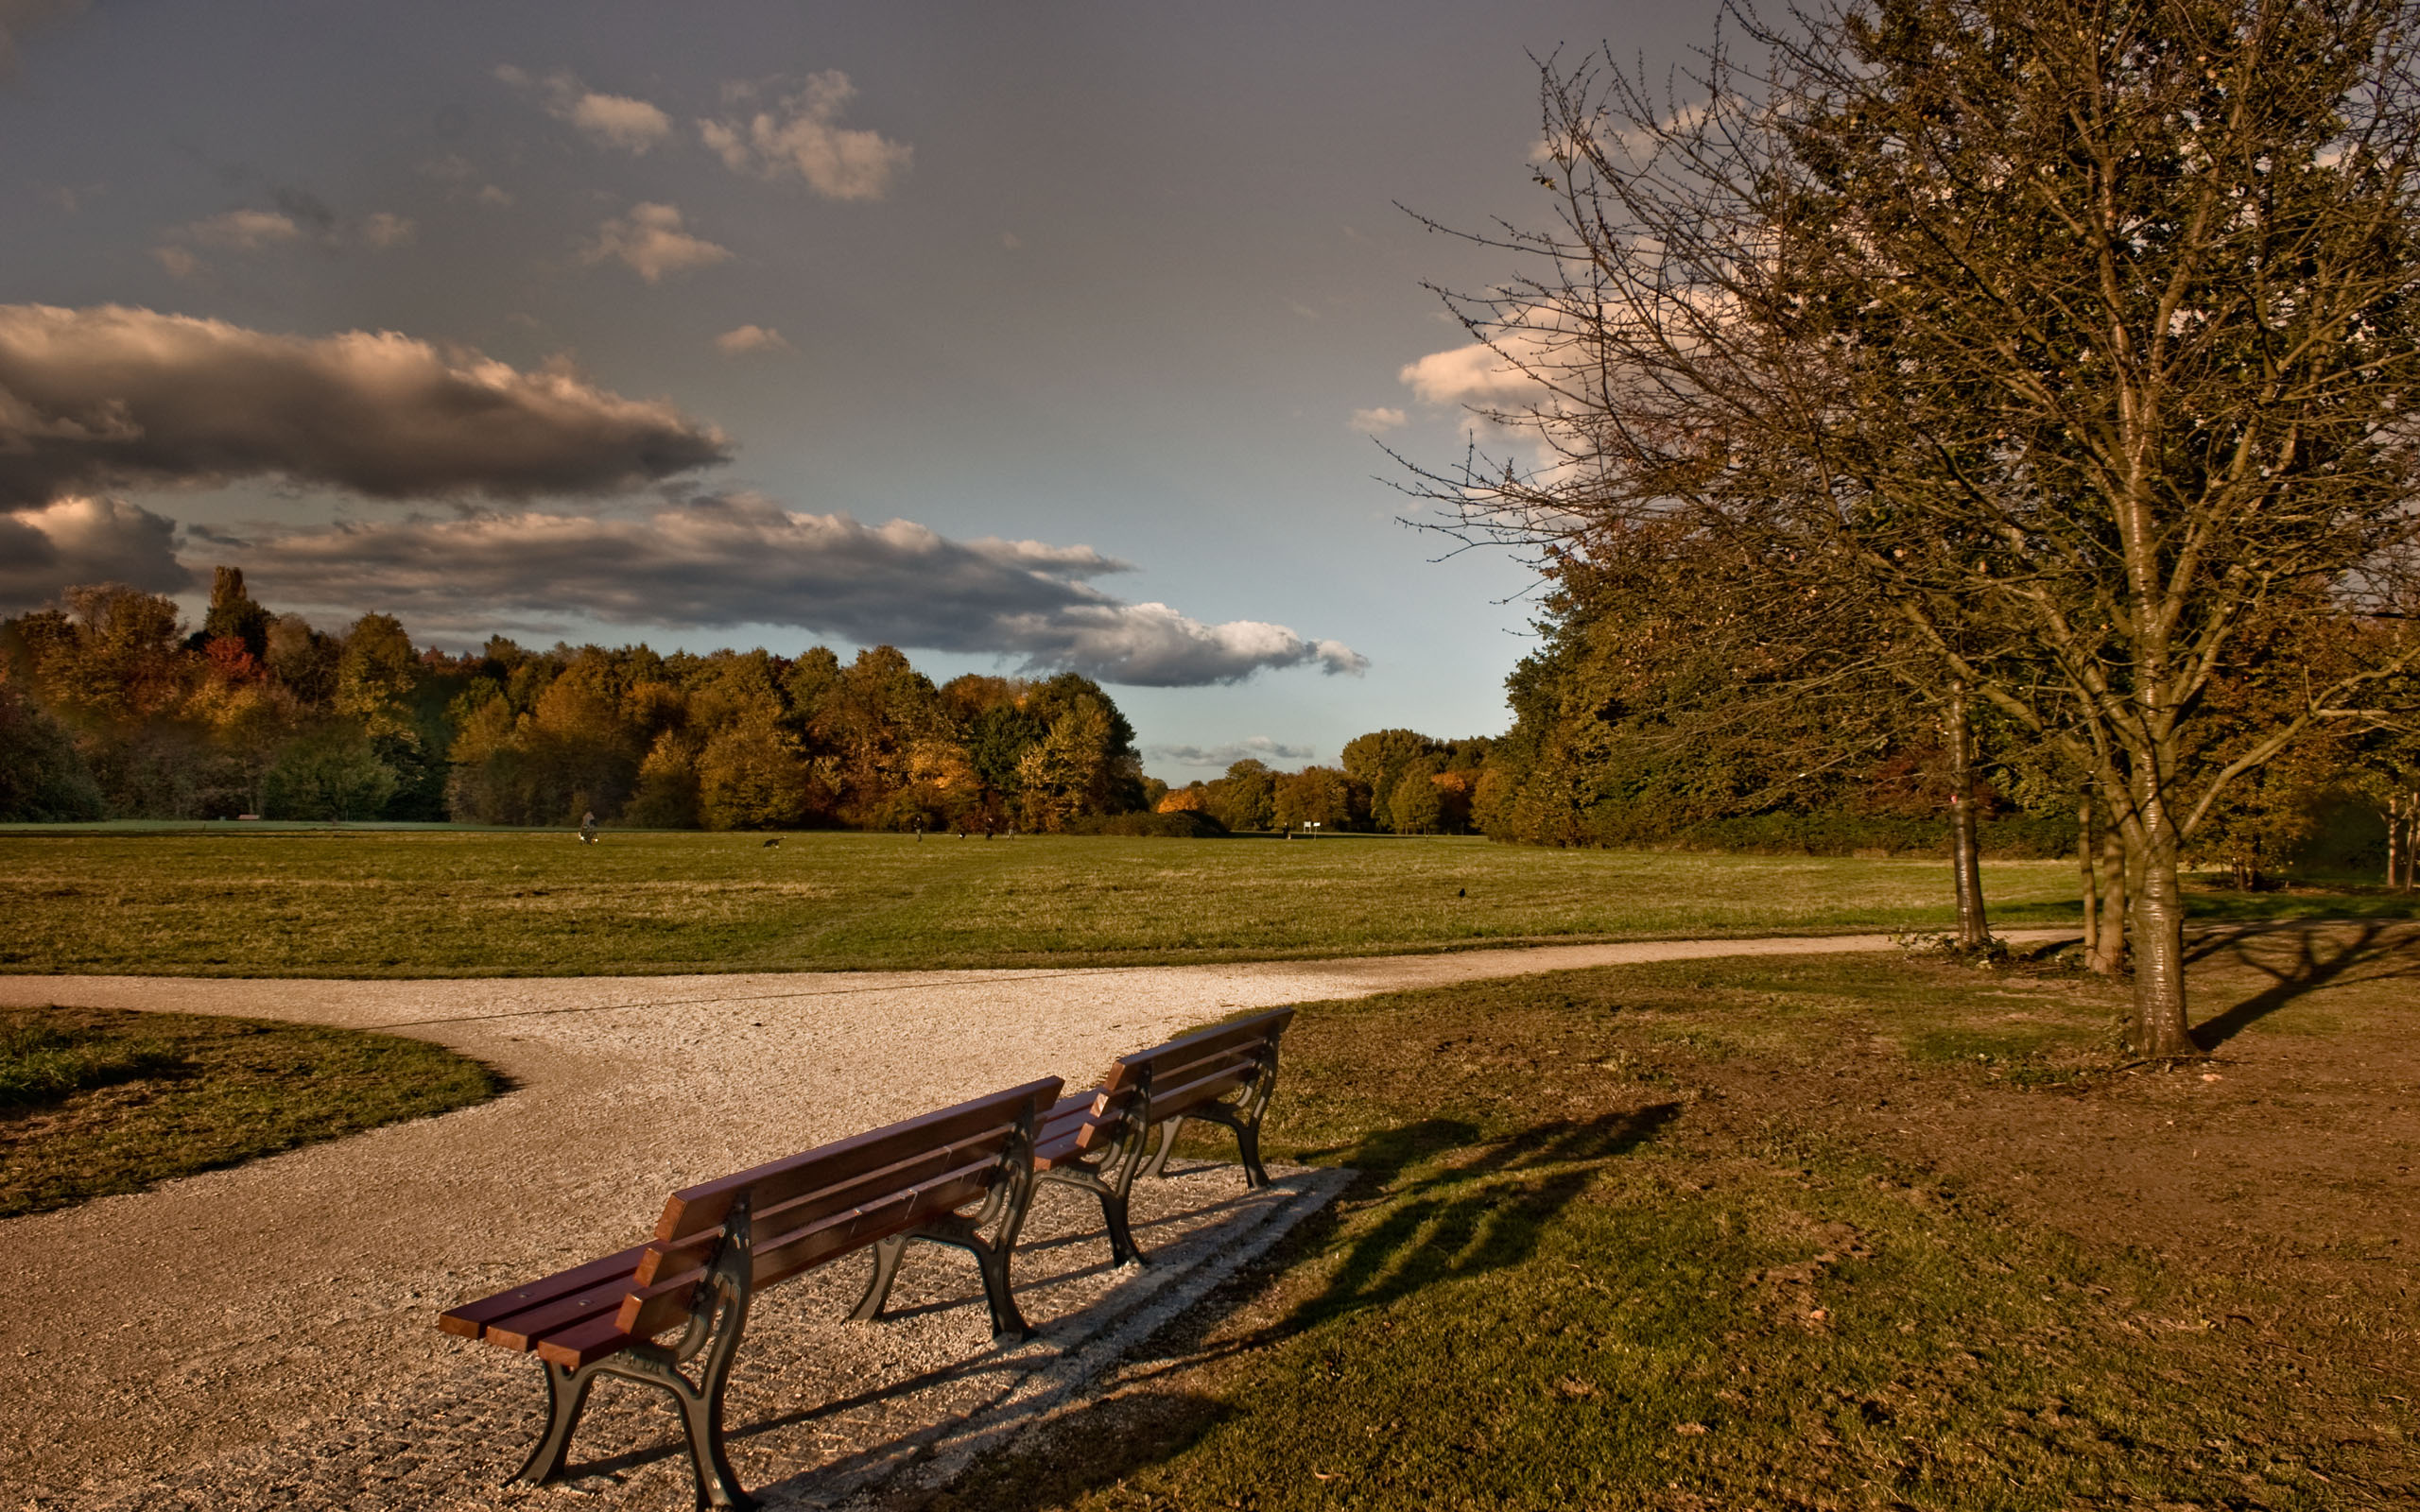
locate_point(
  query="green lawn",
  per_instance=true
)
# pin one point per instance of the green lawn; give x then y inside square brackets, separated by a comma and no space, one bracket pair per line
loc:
[436,901]
[99,1101]
[1791,1235]
[413,903]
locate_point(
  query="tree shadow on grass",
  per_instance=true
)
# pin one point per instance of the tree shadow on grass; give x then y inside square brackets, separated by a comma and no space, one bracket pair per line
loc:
[2311,959]
[1449,1205]
[1466,1217]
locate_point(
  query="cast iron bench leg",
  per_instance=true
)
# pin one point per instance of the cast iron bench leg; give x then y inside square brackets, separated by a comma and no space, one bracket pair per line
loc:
[720,1315]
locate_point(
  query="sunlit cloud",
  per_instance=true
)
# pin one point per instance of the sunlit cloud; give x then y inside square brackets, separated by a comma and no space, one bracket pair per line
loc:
[1377,421]
[81,539]
[114,396]
[751,339]
[721,560]
[651,242]
[621,121]
[802,135]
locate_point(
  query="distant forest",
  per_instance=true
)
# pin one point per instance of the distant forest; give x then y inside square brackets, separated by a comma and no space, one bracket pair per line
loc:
[111,708]
[108,708]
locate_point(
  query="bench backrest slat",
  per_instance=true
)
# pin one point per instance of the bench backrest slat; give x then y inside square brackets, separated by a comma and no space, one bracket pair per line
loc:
[665,1257]
[1161,1060]
[698,1209]
[1184,1074]
[648,1310]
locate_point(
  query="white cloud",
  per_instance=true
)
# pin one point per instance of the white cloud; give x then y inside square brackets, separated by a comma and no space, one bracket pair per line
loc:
[741,341]
[1377,421]
[617,120]
[181,265]
[611,120]
[387,229]
[84,540]
[721,560]
[111,396]
[650,241]
[494,197]
[1474,374]
[241,231]
[803,136]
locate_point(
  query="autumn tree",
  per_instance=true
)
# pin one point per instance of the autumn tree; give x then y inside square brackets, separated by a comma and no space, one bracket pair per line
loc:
[2069,339]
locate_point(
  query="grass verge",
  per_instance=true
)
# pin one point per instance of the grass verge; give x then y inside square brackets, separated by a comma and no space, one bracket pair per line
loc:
[98,1101]
[1749,1233]
[438,903]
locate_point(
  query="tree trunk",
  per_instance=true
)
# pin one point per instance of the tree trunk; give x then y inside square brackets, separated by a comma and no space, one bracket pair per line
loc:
[2158,920]
[1974,929]
[2087,843]
[2109,956]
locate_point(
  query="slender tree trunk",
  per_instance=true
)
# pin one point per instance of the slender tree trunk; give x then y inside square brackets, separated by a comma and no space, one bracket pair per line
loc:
[2158,920]
[2109,946]
[1974,929]
[2087,844]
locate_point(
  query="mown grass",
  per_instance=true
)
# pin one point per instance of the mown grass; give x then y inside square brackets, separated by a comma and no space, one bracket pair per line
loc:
[95,1102]
[1607,1250]
[438,902]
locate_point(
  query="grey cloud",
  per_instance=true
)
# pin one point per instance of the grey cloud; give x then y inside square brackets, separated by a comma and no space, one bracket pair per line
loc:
[84,540]
[113,396]
[723,560]
[1256,747]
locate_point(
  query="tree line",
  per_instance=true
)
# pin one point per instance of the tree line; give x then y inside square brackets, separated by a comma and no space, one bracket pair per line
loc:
[110,709]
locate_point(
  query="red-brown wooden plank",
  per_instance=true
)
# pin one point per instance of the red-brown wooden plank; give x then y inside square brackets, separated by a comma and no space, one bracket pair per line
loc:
[584,1345]
[1257,1030]
[1179,1101]
[522,1331]
[695,1250]
[472,1317]
[693,1210]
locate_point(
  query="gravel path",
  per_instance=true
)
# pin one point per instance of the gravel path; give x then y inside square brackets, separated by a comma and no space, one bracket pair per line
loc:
[275,1307]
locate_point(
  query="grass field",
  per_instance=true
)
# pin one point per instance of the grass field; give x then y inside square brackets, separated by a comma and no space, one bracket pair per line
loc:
[1850,1232]
[438,903]
[97,1101]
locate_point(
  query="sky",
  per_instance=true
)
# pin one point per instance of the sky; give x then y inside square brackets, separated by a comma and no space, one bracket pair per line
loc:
[1023,337]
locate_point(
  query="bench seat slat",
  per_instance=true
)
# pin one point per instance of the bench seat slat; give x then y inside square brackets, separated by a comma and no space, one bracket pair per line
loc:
[472,1319]
[584,1343]
[525,1330]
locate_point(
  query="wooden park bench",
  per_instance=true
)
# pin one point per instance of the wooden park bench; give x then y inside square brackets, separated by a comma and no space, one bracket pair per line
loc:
[720,1243]
[1096,1139]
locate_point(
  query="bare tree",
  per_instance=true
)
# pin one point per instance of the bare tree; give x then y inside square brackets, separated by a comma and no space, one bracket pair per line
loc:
[2074,339]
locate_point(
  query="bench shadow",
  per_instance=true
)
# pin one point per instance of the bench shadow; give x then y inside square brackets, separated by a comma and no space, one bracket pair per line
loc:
[1447,1221]
[2312,959]
[1458,1205]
